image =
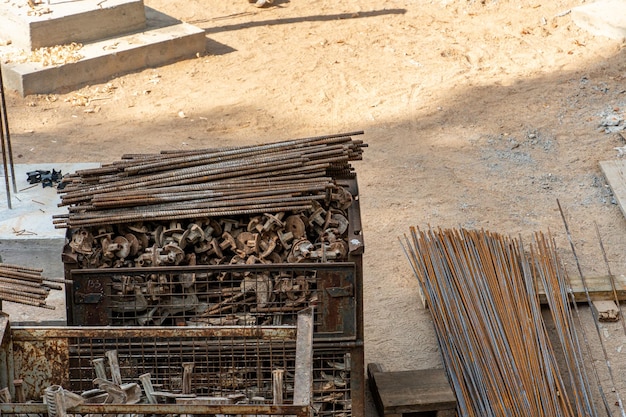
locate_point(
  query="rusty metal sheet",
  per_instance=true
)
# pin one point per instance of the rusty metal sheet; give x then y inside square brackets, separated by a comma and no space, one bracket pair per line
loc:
[41,363]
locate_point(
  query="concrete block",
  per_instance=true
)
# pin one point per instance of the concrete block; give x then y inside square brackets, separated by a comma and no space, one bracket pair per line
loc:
[70,21]
[603,18]
[163,41]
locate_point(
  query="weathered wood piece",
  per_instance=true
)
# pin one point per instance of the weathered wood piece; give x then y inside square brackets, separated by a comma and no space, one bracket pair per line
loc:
[599,288]
[615,174]
[424,392]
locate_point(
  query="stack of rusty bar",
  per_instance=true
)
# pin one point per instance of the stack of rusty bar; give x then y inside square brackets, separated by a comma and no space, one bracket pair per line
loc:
[20,284]
[287,175]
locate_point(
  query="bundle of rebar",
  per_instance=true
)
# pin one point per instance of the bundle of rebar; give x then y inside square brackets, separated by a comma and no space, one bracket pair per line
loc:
[280,176]
[24,285]
[481,289]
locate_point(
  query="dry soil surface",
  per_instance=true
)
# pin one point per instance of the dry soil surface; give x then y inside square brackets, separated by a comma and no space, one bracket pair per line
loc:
[478,114]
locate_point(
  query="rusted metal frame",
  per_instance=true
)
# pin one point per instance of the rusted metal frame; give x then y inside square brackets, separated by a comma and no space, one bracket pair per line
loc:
[308,266]
[163,409]
[34,333]
[7,363]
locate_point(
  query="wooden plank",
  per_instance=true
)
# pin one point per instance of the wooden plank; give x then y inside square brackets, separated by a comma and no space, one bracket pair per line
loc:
[599,289]
[410,391]
[615,174]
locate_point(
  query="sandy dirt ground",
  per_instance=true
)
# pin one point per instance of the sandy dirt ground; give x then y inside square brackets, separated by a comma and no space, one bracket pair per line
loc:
[478,114]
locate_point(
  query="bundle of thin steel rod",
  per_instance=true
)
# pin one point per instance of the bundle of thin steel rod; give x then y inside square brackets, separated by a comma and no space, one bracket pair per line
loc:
[481,290]
[280,176]
[24,285]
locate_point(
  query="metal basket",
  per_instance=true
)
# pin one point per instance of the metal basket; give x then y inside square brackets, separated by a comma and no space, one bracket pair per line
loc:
[261,370]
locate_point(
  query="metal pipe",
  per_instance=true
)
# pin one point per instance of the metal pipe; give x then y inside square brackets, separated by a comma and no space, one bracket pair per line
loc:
[4,161]
[7,133]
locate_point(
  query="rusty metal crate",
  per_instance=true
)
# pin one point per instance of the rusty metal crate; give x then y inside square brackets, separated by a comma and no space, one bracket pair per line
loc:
[205,295]
[227,361]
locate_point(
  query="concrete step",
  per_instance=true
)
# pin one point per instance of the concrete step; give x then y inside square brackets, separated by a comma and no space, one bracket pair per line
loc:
[164,40]
[603,18]
[64,22]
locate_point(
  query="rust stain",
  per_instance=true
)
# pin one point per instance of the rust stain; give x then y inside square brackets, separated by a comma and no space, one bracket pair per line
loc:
[41,364]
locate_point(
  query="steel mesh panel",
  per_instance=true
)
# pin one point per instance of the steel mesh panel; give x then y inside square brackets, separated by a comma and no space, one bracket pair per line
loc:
[221,295]
[223,366]
[331,383]
[214,298]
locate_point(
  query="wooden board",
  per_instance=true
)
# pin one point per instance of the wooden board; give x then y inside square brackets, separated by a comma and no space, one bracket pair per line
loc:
[410,391]
[599,288]
[615,174]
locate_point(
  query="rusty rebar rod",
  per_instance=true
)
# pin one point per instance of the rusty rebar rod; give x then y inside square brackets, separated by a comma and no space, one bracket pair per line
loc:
[174,215]
[286,175]
[24,285]
[594,314]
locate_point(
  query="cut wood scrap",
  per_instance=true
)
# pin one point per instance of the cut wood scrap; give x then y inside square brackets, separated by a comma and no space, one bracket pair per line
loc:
[607,310]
